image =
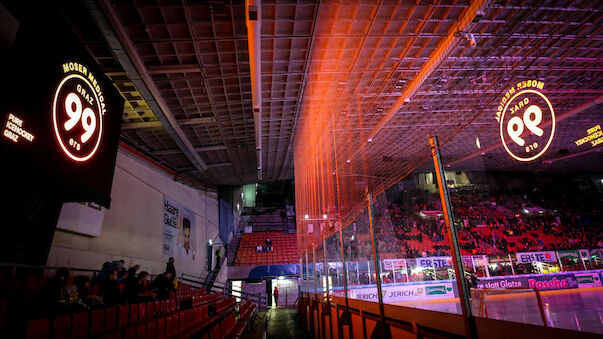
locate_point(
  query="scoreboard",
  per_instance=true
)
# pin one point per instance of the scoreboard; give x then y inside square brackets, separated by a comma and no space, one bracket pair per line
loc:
[60,115]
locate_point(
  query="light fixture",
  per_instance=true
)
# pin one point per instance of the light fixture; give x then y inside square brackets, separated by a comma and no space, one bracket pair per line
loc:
[477,143]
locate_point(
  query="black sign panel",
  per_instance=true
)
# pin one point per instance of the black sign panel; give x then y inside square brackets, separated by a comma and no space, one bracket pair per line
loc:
[60,116]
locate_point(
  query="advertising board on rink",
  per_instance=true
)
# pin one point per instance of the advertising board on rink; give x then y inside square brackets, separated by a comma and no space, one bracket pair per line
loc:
[540,282]
[404,292]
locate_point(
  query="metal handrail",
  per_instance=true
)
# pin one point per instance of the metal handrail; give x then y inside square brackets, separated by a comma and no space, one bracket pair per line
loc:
[41,267]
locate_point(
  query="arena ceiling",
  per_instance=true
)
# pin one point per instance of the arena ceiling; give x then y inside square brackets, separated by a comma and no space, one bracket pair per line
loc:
[368,81]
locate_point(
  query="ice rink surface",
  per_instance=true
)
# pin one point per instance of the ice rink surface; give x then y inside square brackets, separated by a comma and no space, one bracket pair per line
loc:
[575,309]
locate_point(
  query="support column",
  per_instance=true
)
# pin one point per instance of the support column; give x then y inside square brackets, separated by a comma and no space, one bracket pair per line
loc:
[453,240]
[381,329]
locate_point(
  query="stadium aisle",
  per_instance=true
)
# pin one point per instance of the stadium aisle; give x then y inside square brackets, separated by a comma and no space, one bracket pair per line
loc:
[283,322]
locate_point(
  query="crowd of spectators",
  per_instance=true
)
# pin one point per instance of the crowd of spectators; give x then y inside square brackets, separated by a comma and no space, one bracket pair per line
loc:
[488,223]
[113,284]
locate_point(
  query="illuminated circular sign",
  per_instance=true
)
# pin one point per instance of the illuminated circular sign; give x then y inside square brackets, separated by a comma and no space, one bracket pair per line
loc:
[77,115]
[527,122]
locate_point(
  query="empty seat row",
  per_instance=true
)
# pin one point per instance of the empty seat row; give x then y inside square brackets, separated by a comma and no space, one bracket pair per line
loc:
[101,321]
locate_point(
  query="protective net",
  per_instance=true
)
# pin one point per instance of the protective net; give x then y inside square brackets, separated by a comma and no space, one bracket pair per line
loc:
[515,106]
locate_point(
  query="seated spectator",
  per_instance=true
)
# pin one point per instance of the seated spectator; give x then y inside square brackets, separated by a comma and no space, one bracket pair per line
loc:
[60,294]
[137,289]
[162,285]
[259,248]
[109,289]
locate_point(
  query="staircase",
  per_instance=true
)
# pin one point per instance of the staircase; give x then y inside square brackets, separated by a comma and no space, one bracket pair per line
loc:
[210,279]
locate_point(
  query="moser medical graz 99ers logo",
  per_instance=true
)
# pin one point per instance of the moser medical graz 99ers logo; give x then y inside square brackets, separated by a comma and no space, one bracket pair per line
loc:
[77,112]
[527,121]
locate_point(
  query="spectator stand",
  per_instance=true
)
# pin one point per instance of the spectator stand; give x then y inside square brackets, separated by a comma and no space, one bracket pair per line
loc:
[188,311]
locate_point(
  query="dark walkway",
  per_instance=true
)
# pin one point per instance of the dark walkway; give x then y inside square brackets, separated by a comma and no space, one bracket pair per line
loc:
[283,322]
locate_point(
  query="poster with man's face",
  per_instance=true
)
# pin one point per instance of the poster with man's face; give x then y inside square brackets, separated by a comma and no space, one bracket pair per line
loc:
[178,230]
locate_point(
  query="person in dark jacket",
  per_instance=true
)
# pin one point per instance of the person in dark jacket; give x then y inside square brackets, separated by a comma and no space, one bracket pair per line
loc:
[162,285]
[136,289]
[170,268]
[109,289]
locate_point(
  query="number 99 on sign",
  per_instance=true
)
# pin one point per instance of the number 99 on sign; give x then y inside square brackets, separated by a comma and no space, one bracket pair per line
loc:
[527,125]
[532,117]
[73,108]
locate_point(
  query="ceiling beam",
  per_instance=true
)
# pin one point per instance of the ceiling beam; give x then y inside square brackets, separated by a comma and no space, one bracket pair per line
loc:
[169,69]
[121,46]
[141,125]
[219,164]
[436,57]
[197,149]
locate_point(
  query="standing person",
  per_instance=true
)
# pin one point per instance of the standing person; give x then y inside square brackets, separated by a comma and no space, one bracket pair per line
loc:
[170,267]
[218,257]
[275,295]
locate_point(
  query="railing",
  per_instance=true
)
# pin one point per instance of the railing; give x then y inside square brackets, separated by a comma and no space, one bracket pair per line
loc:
[15,267]
[336,318]
[233,247]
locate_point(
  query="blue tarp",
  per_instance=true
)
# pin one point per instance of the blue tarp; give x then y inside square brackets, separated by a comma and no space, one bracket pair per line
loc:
[273,270]
[226,218]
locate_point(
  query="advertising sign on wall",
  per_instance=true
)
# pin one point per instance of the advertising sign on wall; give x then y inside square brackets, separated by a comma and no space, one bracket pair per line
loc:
[434,262]
[529,257]
[178,230]
[393,264]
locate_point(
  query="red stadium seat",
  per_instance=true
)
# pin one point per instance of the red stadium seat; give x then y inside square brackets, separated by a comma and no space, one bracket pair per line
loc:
[141,331]
[113,335]
[170,327]
[122,317]
[150,309]
[37,329]
[142,311]
[97,322]
[134,311]
[152,330]
[110,318]
[79,328]
[130,333]
[161,328]
[61,328]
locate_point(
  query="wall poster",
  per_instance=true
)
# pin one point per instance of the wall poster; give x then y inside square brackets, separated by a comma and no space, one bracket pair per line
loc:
[178,230]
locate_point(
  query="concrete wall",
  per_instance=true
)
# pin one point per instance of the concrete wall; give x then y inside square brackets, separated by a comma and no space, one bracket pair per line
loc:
[132,227]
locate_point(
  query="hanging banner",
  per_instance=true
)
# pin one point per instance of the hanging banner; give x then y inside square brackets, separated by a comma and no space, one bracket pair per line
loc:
[178,230]
[529,257]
